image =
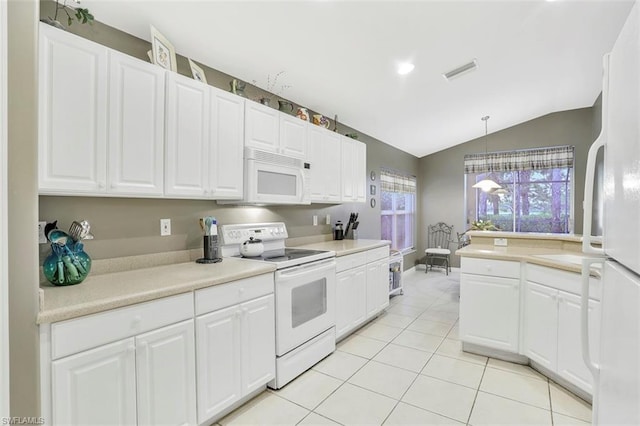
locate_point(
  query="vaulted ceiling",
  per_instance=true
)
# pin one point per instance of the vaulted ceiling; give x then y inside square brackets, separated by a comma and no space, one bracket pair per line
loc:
[341,57]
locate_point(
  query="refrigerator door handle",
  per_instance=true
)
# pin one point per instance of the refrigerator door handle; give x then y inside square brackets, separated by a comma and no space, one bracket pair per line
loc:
[587,203]
[584,317]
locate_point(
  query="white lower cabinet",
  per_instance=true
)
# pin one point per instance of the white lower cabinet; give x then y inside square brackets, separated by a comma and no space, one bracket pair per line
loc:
[377,286]
[552,326]
[235,340]
[166,376]
[489,311]
[571,366]
[351,300]
[166,362]
[97,386]
[541,325]
[129,382]
[362,288]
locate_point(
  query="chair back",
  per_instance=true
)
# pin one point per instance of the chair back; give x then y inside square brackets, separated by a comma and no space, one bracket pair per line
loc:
[439,235]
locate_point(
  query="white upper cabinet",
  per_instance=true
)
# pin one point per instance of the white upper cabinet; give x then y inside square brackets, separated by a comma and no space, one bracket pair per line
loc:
[227,145]
[136,126]
[187,142]
[354,171]
[293,136]
[72,113]
[325,155]
[262,127]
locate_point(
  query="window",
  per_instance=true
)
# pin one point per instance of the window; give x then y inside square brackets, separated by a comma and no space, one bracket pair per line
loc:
[537,193]
[398,209]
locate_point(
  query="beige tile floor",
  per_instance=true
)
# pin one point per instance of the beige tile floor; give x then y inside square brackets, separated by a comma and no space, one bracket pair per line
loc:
[406,368]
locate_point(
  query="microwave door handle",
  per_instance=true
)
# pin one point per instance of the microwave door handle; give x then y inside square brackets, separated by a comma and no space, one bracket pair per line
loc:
[304,185]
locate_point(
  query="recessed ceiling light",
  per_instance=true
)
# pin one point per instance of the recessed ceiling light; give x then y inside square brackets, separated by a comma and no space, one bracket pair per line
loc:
[405,68]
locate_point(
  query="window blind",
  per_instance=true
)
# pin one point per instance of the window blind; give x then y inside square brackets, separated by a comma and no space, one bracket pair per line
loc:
[392,181]
[529,159]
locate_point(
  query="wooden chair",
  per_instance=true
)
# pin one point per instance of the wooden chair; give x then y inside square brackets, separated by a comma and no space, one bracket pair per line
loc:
[438,253]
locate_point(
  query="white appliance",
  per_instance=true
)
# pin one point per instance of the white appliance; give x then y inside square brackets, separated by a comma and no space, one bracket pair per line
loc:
[275,179]
[305,293]
[617,373]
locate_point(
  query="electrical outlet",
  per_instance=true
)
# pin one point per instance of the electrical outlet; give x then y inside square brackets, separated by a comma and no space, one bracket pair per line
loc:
[315,220]
[42,239]
[500,242]
[328,222]
[165,227]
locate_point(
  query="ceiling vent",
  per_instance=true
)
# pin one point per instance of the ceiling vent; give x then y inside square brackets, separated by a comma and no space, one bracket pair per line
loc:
[461,70]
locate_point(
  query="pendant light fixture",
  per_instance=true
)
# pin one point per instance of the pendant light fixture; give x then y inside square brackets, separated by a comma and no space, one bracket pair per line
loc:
[486,185]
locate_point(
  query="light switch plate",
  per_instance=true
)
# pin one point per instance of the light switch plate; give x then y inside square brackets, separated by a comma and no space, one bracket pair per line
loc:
[165,227]
[500,242]
[42,239]
[328,222]
[315,220]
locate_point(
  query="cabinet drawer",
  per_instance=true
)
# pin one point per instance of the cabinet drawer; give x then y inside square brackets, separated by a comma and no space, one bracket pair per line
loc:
[351,261]
[79,334]
[377,253]
[570,282]
[223,295]
[494,268]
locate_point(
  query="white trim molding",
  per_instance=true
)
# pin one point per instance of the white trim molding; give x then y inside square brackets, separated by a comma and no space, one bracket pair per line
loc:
[4,281]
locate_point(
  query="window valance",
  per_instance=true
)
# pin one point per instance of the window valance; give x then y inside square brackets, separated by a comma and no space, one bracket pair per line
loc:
[529,159]
[391,181]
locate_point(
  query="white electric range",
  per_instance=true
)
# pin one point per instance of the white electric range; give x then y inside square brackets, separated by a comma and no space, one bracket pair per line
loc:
[305,285]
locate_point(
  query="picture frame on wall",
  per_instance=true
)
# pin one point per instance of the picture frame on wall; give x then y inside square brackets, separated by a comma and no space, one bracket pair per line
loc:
[197,72]
[164,54]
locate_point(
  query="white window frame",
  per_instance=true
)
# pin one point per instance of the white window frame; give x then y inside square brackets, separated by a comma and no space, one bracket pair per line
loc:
[394,217]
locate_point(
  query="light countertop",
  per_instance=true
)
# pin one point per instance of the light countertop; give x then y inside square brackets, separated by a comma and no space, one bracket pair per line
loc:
[565,260]
[114,290]
[346,247]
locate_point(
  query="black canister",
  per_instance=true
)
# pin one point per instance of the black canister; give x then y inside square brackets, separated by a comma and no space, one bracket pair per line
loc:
[338,231]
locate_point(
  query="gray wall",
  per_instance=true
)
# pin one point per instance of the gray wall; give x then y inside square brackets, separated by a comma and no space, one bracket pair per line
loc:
[22,199]
[441,178]
[131,226]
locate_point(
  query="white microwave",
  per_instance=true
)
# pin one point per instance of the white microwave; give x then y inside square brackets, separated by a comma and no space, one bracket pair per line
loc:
[275,179]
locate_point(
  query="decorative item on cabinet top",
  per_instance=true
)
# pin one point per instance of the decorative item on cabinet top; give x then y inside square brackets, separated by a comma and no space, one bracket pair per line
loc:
[68,263]
[197,72]
[82,15]
[164,54]
[321,120]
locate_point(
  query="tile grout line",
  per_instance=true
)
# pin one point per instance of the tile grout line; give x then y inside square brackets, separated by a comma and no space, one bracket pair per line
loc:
[475,397]
[550,400]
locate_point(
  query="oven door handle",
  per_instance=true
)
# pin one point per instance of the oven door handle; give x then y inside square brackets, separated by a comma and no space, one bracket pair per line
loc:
[311,267]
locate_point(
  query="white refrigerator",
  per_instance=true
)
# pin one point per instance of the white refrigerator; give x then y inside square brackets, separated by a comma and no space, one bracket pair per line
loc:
[617,374]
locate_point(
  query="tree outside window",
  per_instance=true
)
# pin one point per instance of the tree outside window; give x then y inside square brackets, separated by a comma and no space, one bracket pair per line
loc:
[535,199]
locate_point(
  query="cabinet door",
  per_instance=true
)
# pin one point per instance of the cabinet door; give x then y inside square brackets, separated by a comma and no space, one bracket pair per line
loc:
[293,136]
[348,169]
[227,145]
[377,286]
[96,387]
[325,154]
[570,363]
[219,380]
[541,325]
[258,343]
[351,300]
[332,158]
[136,126]
[360,173]
[317,173]
[187,147]
[489,311]
[72,113]
[261,127]
[165,364]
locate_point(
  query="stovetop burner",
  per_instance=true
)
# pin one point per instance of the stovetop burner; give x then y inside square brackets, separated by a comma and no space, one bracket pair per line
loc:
[285,254]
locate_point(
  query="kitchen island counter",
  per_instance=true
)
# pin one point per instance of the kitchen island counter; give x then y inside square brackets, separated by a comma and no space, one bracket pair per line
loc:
[346,247]
[107,291]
